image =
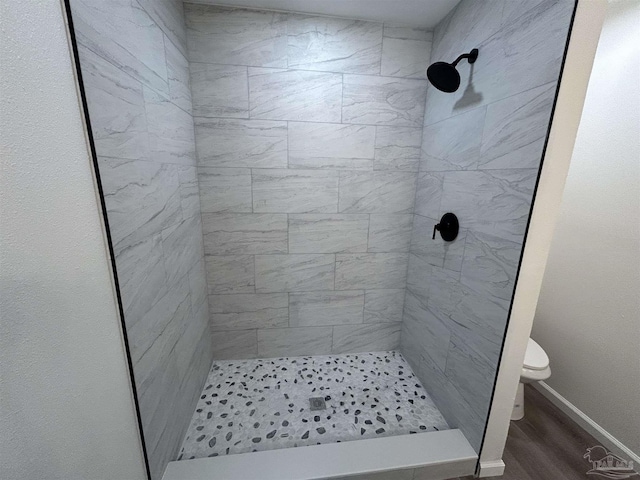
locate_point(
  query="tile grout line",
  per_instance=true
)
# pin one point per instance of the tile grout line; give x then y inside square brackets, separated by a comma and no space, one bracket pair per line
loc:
[276,70]
[255,275]
[342,98]
[323,122]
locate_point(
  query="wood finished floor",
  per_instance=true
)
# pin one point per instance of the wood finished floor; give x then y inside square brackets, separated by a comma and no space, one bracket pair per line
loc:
[545,444]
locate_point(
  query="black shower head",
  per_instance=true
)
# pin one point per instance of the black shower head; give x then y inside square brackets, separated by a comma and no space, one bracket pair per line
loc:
[444,76]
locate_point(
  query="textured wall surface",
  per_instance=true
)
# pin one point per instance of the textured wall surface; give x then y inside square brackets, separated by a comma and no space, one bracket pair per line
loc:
[592,277]
[481,150]
[66,406]
[136,78]
[308,134]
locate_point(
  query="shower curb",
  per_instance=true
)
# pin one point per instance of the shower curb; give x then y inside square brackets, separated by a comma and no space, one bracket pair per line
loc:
[435,455]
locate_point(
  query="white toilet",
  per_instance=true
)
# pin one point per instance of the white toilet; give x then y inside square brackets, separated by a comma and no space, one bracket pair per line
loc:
[535,368]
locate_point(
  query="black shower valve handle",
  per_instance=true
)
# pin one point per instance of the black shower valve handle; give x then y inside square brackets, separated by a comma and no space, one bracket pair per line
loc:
[435,227]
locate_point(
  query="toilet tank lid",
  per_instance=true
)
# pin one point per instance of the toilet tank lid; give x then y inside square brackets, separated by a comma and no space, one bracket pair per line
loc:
[535,358]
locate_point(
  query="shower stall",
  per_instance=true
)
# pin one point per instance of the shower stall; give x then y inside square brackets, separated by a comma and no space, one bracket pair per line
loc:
[273,182]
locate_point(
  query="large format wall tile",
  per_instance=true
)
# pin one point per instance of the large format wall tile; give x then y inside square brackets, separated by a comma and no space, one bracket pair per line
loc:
[515,129]
[225,189]
[142,198]
[171,137]
[198,286]
[377,192]
[514,10]
[235,344]
[537,36]
[481,344]
[116,103]
[404,32]
[405,58]
[496,202]
[425,330]
[453,144]
[326,145]
[244,312]
[383,100]
[371,270]
[230,273]
[490,265]
[241,143]
[220,90]
[277,140]
[429,194]
[315,309]
[277,342]
[244,233]
[469,375]
[478,318]
[141,275]
[178,76]
[366,338]
[136,78]
[189,191]
[420,276]
[450,403]
[188,356]
[236,36]
[153,336]
[383,305]
[192,356]
[182,247]
[169,16]
[459,292]
[390,233]
[294,273]
[436,251]
[295,191]
[334,44]
[469,24]
[397,148]
[321,233]
[294,95]
[155,392]
[125,35]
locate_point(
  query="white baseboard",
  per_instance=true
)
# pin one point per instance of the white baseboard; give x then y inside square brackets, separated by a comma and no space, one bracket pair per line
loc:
[592,428]
[491,469]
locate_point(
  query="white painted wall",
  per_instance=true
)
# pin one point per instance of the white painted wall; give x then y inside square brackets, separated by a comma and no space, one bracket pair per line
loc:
[66,410]
[588,315]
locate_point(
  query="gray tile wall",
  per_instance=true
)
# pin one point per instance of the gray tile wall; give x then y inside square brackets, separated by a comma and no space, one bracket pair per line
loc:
[481,150]
[308,135]
[136,77]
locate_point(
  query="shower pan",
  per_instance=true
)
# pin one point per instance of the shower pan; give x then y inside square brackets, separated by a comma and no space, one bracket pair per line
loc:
[273,183]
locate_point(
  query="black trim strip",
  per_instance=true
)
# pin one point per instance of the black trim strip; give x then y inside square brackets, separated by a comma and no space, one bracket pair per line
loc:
[96,169]
[526,233]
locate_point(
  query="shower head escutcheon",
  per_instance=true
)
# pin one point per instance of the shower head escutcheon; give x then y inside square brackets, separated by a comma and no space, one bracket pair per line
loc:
[444,76]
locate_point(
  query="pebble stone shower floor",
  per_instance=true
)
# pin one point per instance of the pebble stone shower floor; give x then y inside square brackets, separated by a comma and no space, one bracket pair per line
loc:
[263,404]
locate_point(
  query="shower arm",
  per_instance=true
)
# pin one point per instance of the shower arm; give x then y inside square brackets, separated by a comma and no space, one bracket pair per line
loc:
[472,56]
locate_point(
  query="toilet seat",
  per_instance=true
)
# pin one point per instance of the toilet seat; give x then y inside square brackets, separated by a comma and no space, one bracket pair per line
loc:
[535,358]
[535,368]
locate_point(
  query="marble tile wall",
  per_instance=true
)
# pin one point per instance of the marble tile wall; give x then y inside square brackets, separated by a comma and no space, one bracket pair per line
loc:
[136,77]
[481,151]
[308,140]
